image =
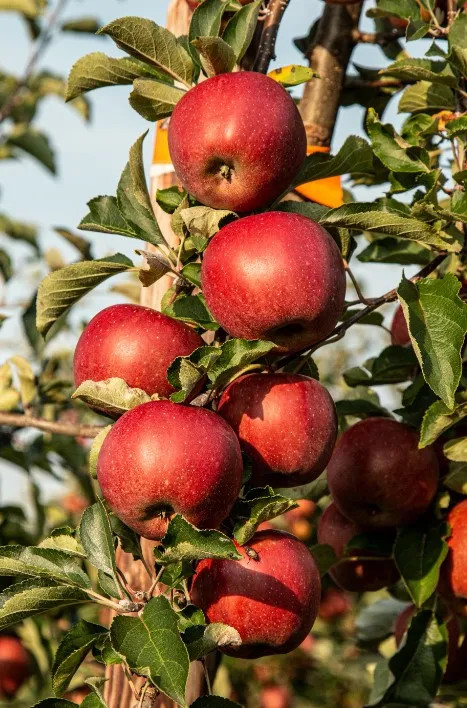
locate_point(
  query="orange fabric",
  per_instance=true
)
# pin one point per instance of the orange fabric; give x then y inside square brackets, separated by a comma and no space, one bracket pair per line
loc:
[326,191]
[161,155]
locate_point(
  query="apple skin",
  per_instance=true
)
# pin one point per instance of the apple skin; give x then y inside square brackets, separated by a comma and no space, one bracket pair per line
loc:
[453,579]
[456,669]
[275,696]
[15,665]
[245,126]
[271,600]
[377,475]
[356,576]
[274,276]
[286,424]
[162,458]
[133,343]
[399,330]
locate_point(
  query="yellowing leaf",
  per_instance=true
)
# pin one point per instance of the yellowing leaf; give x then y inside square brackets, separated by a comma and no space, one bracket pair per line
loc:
[293,75]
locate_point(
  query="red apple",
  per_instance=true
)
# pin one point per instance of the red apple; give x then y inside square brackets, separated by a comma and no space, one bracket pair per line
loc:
[133,343]
[275,696]
[399,330]
[236,141]
[271,597]
[286,423]
[15,665]
[353,575]
[454,569]
[162,458]
[378,476]
[275,276]
[334,603]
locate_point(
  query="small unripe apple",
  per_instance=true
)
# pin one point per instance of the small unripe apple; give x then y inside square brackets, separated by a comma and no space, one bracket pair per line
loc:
[335,530]
[133,343]
[271,596]
[236,141]
[275,276]
[15,665]
[399,330]
[378,476]
[162,458]
[286,423]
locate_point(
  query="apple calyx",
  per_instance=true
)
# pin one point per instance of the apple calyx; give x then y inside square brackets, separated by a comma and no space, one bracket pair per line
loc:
[226,171]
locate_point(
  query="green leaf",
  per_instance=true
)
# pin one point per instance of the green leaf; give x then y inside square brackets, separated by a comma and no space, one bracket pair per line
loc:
[185,372]
[29,8]
[203,223]
[152,45]
[129,540]
[63,539]
[19,230]
[97,539]
[456,450]
[457,128]
[192,273]
[82,25]
[216,56]
[439,418]
[411,69]
[26,379]
[419,553]
[241,28]
[437,322]
[170,198]
[154,100]
[394,152]
[400,8]
[394,365]
[426,97]
[206,22]
[104,216]
[113,396]
[376,621]
[184,542]
[151,646]
[354,156]
[55,702]
[95,449]
[359,408]
[456,479]
[31,597]
[458,206]
[72,650]
[191,309]
[96,698]
[81,244]
[62,288]
[34,143]
[35,562]
[395,250]
[457,48]
[257,506]
[158,265]
[201,641]
[235,355]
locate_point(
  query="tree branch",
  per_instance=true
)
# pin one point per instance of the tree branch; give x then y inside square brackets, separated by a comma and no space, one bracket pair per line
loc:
[267,44]
[19,420]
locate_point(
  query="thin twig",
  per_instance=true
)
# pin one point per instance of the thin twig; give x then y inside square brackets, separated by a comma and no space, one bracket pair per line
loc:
[206,676]
[380,38]
[267,45]
[360,295]
[130,681]
[21,420]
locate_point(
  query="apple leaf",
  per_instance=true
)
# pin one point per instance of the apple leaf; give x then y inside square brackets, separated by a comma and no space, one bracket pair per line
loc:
[62,288]
[457,48]
[456,450]
[201,641]
[457,128]
[96,698]
[184,542]
[129,539]
[112,396]
[359,408]
[257,506]
[393,365]
[185,372]
[152,45]
[35,562]
[456,479]
[216,56]
[399,8]
[439,418]
[64,539]
[203,223]
[96,536]
[158,265]
[56,703]
[191,309]
[28,8]
[395,250]
[34,143]
[437,321]
[292,75]
[419,553]
[241,28]
[192,273]
[154,100]
[205,22]
[354,156]
[71,652]
[376,621]
[413,69]
[394,152]
[151,646]
[235,355]
[104,216]
[427,97]
[95,449]
[170,198]
[31,597]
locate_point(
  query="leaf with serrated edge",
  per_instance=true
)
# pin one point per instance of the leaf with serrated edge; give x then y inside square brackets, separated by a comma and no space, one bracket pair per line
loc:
[64,540]
[152,646]
[217,57]
[439,418]
[113,396]
[140,218]
[183,541]
[72,650]
[456,450]
[394,152]
[236,354]
[96,536]
[32,597]
[354,156]
[419,554]
[205,22]
[201,641]
[35,562]
[241,28]
[105,217]
[154,100]
[413,69]
[259,505]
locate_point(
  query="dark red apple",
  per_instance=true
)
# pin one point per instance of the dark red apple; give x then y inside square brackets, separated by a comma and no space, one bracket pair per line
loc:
[275,276]
[334,604]
[236,141]
[378,476]
[15,665]
[399,330]
[335,530]
[271,597]
[286,423]
[162,458]
[453,581]
[133,343]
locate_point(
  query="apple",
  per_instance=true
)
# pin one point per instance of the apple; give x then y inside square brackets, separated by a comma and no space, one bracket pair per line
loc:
[275,276]
[335,530]
[334,603]
[399,330]
[378,476]
[15,665]
[286,424]
[236,141]
[133,343]
[456,669]
[275,696]
[453,580]
[271,596]
[162,458]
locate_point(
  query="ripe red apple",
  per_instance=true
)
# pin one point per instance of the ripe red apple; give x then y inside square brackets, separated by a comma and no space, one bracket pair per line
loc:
[275,696]
[15,665]
[286,423]
[377,475]
[236,141]
[454,569]
[353,575]
[275,276]
[271,597]
[133,343]
[162,458]
[334,603]
[399,330]
[456,669]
